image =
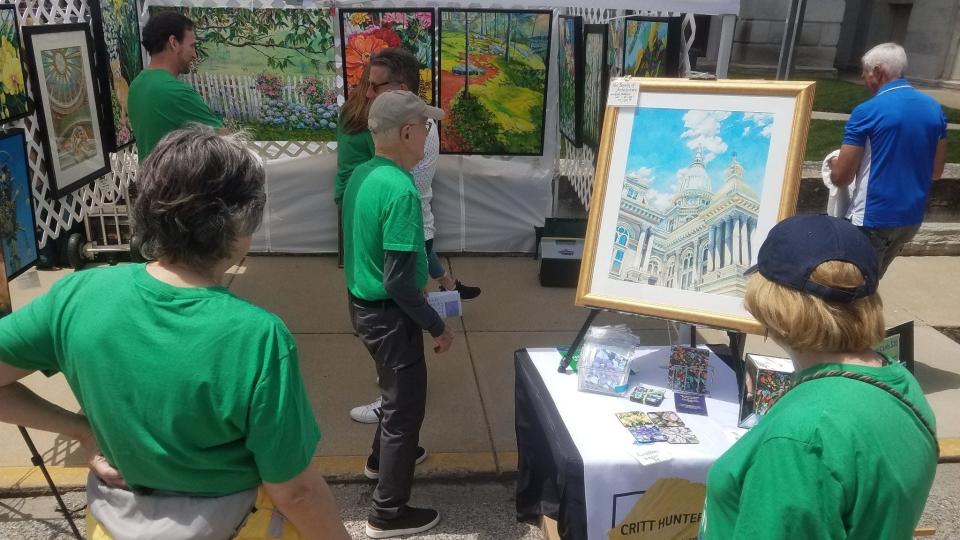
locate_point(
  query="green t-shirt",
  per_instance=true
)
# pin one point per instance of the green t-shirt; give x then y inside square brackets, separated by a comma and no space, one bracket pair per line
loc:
[381,212]
[834,458]
[160,103]
[187,389]
[353,149]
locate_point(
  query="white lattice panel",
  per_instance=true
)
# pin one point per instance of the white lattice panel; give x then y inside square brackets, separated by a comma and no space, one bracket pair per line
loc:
[576,164]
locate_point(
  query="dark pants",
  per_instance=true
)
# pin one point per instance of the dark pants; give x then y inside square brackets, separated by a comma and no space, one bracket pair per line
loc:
[888,242]
[396,344]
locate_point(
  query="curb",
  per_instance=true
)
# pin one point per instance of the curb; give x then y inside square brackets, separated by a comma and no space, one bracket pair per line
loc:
[440,466]
[29,481]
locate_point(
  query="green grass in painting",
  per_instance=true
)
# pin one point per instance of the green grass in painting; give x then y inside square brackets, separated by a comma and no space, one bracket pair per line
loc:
[513,97]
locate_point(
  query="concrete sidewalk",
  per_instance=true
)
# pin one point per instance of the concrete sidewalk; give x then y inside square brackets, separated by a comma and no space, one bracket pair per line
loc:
[469,428]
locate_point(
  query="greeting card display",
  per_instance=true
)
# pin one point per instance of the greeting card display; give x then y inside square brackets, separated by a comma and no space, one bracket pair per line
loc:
[689,370]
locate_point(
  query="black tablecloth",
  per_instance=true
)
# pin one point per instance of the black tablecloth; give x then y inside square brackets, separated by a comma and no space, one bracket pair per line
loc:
[550,477]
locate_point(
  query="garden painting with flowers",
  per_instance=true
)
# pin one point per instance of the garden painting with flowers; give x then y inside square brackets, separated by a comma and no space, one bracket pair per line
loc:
[364,32]
[270,71]
[13,87]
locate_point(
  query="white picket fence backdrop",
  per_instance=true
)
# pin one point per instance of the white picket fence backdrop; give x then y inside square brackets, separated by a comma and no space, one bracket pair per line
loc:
[237,96]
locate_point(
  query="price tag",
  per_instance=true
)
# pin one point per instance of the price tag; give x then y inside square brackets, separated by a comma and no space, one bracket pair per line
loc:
[624,92]
[649,456]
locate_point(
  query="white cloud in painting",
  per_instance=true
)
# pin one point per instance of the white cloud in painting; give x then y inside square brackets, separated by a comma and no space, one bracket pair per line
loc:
[763,122]
[703,129]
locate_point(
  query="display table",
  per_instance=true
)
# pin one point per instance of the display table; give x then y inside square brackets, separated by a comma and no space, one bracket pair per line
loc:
[579,465]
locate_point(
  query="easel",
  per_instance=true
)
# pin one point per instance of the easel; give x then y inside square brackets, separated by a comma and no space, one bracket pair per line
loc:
[736,339]
[37,461]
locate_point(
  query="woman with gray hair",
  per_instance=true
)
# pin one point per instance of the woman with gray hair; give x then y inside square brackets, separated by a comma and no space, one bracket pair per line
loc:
[194,409]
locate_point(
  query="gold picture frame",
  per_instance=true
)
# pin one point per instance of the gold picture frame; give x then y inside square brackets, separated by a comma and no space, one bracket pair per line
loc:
[663,238]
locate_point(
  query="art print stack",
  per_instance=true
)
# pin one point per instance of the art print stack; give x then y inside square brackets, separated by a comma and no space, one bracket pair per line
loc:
[689,370]
[605,357]
[767,379]
[651,427]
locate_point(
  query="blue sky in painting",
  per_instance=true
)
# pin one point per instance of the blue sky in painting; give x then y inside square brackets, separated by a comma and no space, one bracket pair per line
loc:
[664,142]
[11,155]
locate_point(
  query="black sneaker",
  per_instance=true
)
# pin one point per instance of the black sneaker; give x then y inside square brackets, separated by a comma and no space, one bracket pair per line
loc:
[466,292]
[412,521]
[372,469]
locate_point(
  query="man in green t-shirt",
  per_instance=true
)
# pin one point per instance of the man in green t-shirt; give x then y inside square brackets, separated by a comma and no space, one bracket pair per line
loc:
[158,101]
[385,265]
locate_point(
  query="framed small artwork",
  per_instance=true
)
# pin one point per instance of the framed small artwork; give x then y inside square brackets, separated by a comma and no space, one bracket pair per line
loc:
[570,63]
[18,237]
[615,47]
[116,29]
[14,102]
[596,77]
[688,184]
[651,46]
[493,80]
[366,31]
[898,344]
[61,72]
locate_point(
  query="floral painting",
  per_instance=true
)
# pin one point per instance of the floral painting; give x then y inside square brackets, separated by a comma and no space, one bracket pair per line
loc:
[17,226]
[270,71]
[116,28]
[364,32]
[13,86]
[493,81]
[570,65]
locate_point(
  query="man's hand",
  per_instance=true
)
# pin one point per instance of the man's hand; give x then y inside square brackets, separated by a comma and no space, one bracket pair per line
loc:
[443,342]
[98,464]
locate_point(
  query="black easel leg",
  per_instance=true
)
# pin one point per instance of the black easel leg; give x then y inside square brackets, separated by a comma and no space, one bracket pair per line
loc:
[38,462]
[693,336]
[577,341]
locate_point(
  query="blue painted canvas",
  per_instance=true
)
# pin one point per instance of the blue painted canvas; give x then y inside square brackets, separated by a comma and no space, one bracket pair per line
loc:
[18,237]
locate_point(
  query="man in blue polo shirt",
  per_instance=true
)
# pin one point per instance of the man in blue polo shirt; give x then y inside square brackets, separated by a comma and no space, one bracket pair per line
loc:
[894,146]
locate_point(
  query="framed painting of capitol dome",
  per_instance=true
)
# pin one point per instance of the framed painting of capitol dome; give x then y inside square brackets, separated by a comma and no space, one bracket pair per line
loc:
[687,186]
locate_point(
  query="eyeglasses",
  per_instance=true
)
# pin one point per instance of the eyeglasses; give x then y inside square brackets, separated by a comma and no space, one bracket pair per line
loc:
[377,86]
[429,126]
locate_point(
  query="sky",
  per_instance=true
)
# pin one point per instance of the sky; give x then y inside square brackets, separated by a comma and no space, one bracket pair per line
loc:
[664,142]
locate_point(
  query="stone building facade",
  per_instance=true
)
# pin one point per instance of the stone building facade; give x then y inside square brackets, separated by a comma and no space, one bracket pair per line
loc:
[703,242]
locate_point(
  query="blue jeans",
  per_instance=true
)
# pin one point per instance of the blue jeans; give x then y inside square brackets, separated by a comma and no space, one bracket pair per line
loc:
[434,266]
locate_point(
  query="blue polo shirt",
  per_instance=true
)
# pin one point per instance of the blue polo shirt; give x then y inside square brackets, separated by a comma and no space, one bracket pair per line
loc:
[899,129]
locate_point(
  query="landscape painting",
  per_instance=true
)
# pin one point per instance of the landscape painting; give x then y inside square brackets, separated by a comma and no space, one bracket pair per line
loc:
[116,28]
[493,81]
[270,71]
[17,222]
[651,47]
[596,76]
[570,66]
[364,32]
[61,72]
[615,47]
[14,102]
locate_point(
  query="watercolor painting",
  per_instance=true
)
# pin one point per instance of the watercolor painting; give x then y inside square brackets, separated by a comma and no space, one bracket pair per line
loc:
[596,76]
[14,102]
[651,47]
[116,28]
[570,67]
[17,221]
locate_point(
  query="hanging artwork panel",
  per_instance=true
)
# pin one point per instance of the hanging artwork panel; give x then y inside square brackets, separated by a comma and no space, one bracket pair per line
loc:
[651,46]
[116,29]
[366,31]
[493,81]
[14,102]
[60,58]
[18,238]
[269,71]
[688,184]
[596,77]
[571,68]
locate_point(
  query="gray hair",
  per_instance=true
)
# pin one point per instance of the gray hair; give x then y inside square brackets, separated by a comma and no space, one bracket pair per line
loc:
[198,193]
[891,58]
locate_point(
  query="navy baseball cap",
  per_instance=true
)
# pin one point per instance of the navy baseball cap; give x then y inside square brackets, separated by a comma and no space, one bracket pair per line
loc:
[797,245]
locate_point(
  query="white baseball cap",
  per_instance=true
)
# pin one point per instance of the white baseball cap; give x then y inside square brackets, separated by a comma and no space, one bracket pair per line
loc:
[398,107]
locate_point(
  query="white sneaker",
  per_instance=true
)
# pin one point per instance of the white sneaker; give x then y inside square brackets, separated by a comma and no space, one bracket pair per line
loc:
[367,414]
